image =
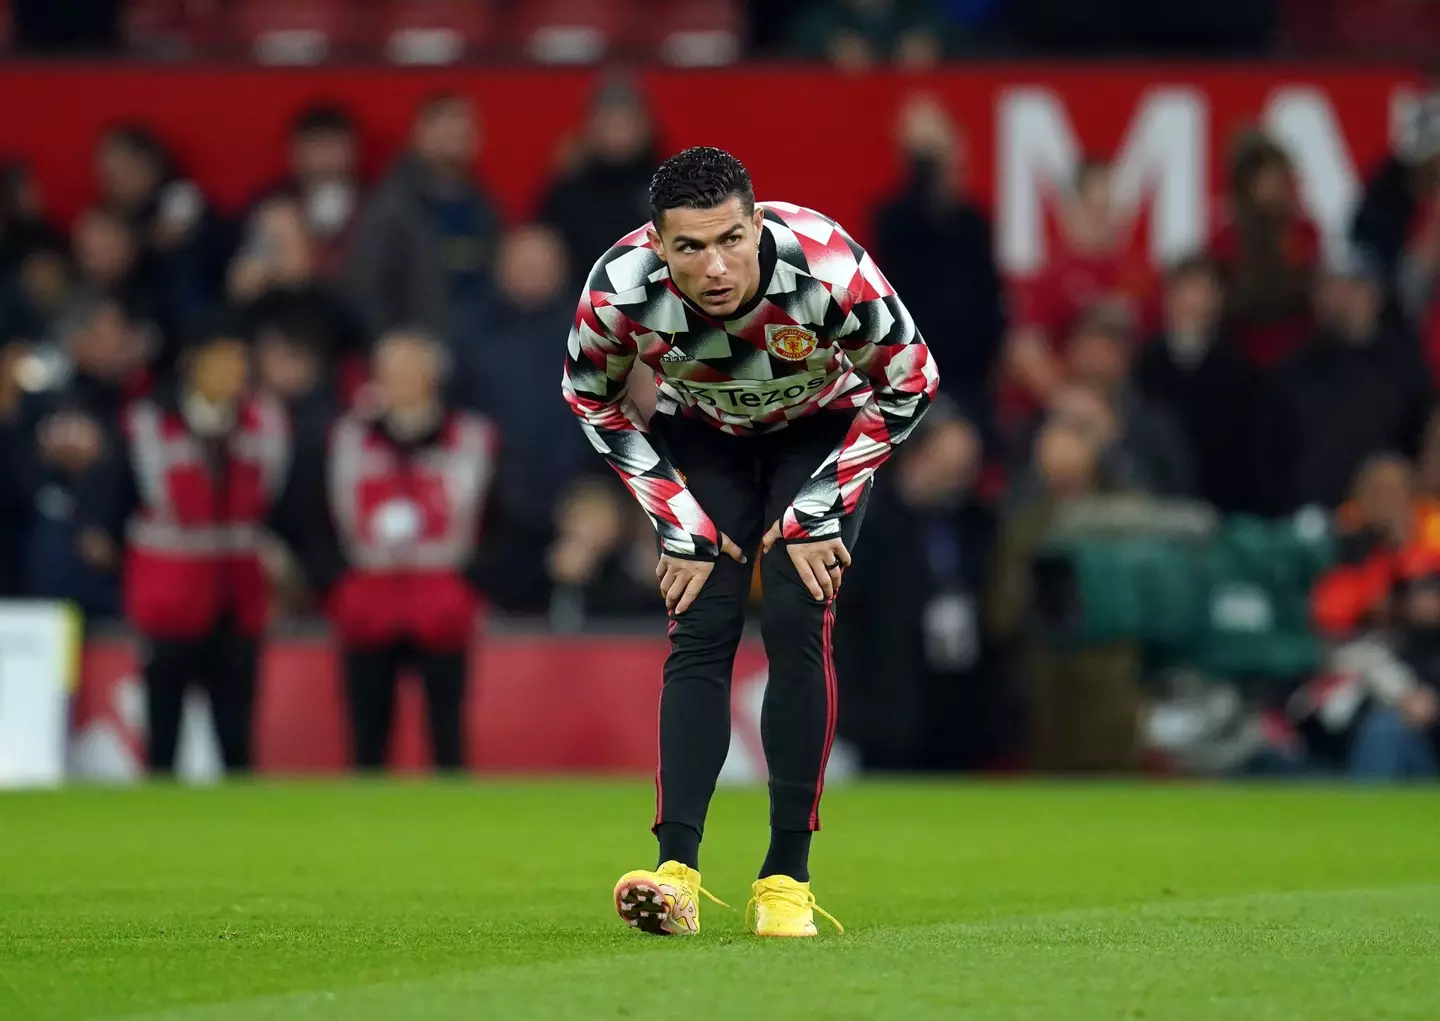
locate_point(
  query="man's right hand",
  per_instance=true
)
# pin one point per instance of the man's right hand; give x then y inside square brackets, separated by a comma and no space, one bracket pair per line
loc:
[681,580]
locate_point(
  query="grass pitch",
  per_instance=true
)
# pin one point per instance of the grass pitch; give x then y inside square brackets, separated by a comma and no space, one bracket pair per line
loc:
[433,902]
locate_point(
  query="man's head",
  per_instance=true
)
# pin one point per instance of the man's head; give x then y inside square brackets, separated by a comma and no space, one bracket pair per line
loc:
[280,234]
[1099,354]
[531,266]
[706,226]
[99,339]
[105,247]
[323,146]
[940,463]
[619,129]
[217,360]
[1352,297]
[1067,460]
[1384,492]
[131,164]
[408,367]
[288,355]
[447,133]
[1192,298]
[1262,176]
[1091,219]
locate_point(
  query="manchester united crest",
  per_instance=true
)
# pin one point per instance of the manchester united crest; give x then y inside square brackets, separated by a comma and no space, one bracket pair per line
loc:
[792,343]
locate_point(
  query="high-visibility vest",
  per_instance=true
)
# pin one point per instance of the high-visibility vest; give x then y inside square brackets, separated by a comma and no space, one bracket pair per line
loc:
[408,522]
[193,545]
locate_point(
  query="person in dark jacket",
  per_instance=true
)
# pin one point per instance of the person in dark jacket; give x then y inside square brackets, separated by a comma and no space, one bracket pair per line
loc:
[936,246]
[1399,189]
[917,687]
[605,190]
[426,244]
[202,470]
[1357,387]
[1192,368]
[23,228]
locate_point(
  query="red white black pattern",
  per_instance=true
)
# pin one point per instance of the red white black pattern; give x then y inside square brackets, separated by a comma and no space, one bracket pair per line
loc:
[828,333]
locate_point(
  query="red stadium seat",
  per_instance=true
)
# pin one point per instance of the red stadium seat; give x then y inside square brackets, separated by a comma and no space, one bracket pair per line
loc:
[434,31]
[697,33]
[161,28]
[293,31]
[573,31]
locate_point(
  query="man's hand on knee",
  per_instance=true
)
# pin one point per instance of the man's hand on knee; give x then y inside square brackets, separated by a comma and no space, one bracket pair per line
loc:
[681,580]
[820,564]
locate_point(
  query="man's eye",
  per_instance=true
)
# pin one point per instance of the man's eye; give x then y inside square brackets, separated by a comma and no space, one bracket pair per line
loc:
[689,248]
[732,239]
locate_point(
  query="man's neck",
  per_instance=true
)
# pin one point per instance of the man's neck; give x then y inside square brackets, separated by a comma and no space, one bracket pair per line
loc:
[414,420]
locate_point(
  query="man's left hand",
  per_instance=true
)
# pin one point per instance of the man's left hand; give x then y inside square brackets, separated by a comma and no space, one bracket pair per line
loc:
[820,564]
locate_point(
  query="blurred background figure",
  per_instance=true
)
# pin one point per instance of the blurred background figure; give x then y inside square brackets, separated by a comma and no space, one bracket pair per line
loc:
[110,262]
[856,35]
[1357,387]
[182,241]
[408,493]
[504,358]
[275,282]
[603,191]
[1082,703]
[427,236]
[178,506]
[1192,367]
[1268,252]
[916,691]
[1091,266]
[23,228]
[324,178]
[601,563]
[936,247]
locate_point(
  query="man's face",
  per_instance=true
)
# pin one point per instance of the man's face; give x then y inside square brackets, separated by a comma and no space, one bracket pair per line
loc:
[321,156]
[104,247]
[618,132]
[531,266]
[221,371]
[405,374]
[1100,359]
[1192,302]
[713,254]
[127,177]
[103,349]
[287,367]
[449,136]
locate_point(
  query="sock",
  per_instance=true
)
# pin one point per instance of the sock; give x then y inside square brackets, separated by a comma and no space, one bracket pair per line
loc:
[679,842]
[789,855]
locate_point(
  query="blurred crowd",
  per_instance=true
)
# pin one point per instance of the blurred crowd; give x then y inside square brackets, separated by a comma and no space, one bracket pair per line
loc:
[1260,375]
[852,34]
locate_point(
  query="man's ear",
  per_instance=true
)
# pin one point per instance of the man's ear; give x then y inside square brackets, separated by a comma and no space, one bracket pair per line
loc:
[656,243]
[759,219]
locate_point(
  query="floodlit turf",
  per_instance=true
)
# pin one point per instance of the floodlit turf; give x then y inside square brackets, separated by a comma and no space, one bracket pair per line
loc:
[392,902]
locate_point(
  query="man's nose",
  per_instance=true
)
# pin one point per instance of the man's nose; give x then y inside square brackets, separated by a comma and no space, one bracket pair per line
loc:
[715,265]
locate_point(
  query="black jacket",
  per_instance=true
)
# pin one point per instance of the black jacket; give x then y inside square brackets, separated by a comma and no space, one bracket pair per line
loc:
[596,206]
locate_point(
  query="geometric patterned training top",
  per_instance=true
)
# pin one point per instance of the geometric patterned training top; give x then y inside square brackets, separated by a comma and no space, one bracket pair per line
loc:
[824,331]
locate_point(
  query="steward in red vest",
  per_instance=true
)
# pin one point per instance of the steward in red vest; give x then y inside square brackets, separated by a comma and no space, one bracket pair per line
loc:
[408,487]
[200,472]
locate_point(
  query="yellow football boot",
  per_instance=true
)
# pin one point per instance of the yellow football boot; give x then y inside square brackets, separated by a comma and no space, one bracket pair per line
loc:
[664,902]
[785,907]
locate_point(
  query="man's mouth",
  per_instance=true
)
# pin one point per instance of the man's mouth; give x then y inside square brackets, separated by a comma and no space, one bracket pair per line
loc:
[715,295]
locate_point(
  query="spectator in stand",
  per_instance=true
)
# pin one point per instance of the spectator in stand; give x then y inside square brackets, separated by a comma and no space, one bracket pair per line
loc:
[408,494]
[935,244]
[23,229]
[1192,368]
[273,280]
[1084,703]
[184,243]
[915,689]
[73,425]
[856,35]
[1150,452]
[1399,199]
[34,299]
[1092,265]
[1356,388]
[16,436]
[324,179]
[202,469]
[604,192]
[427,236]
[506,356]
[109,263]
[1268,252]
[602,561]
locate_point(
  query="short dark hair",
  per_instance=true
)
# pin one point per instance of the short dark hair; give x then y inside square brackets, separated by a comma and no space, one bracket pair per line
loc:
[1194,264]
[435,102]
[701,177]
[323,117]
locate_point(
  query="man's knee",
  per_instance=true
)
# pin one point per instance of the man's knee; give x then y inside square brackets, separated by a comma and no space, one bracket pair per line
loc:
[787,609]
[716,619]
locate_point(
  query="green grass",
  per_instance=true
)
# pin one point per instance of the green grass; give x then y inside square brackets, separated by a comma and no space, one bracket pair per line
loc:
[419,902]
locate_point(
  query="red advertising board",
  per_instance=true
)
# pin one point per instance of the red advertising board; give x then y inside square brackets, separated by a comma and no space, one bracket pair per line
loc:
[810,136]
[540,704]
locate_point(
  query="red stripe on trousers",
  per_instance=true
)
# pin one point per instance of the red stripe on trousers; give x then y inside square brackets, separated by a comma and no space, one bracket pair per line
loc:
[828,661]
